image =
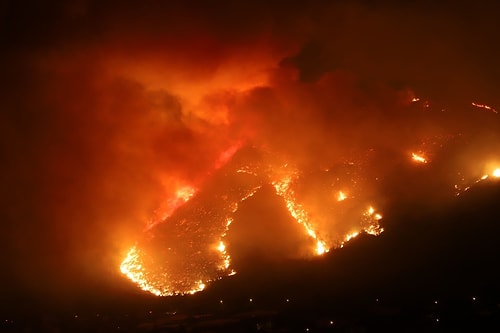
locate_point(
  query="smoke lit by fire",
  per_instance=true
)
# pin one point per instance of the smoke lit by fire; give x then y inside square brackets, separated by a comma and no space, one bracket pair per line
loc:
[316,198]
[139,135]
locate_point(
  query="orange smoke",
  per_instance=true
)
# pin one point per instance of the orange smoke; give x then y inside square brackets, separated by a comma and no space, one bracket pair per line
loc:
[117,117]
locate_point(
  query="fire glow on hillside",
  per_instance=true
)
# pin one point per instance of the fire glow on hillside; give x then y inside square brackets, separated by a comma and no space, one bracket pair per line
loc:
[186,250]
[207,218]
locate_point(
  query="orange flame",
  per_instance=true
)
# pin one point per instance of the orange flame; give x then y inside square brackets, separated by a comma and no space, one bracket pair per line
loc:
[418,158]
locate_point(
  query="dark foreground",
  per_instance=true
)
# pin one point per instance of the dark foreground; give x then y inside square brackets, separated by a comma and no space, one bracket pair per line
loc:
[434,270]
[465,313]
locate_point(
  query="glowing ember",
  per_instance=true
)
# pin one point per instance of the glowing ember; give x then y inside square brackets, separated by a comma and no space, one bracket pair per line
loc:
[341,196]
[418,158]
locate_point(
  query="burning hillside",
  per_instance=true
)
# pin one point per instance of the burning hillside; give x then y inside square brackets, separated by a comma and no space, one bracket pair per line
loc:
[332,201]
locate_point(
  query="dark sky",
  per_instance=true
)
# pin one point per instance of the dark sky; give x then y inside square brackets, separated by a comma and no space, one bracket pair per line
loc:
[108,106]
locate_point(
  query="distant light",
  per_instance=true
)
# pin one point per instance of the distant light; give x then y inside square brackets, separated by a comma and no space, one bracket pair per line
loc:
[287,300]
[331,322]
[221,302]
[473,298]
[437,320]
[251,300]
[435,302]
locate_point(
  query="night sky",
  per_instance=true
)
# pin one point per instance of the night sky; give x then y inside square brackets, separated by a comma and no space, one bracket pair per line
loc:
[108,107]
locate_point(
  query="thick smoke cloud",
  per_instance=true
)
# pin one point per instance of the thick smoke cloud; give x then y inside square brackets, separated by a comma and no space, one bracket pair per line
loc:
[107,109]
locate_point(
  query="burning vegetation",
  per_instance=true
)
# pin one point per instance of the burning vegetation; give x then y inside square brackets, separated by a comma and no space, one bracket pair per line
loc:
[153,129]
[185,251]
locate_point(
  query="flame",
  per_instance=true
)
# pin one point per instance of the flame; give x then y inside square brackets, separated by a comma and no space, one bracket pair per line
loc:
[496,173]
[484,106]
[182,195]
[225,257]
[185,193]
[286,181]
[160,283]
[221,247]
[349,237]
[283,189]
[418,158]
[492,172]
[140,268]
[321,247]
[373,228]
[132,268]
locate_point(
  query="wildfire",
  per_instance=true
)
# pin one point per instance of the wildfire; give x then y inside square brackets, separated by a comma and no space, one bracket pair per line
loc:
[492,173]
[163,270]
[132,268]
[182,195]
[221,247]
[225,257]
[484,106]
[418,158]
[496,173]
[283,189]
[372,220]
[349,237]
[190,228]
[208,216]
